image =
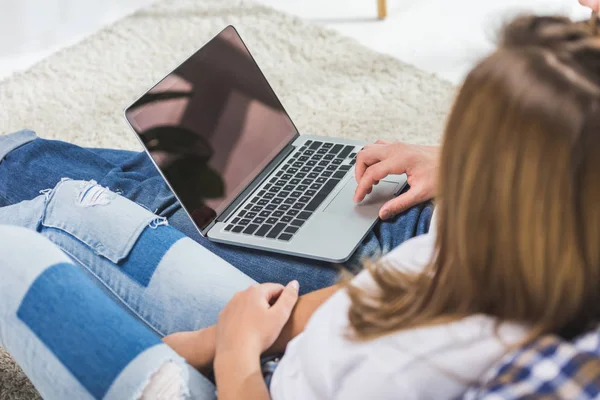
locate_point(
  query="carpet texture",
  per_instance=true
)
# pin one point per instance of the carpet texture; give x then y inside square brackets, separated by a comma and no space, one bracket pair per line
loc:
[329,84]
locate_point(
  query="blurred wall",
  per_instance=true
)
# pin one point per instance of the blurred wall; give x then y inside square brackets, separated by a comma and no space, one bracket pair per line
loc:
[33,29]
[32,25]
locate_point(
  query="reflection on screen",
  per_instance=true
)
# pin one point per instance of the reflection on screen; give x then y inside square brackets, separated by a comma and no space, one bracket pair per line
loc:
[212,126]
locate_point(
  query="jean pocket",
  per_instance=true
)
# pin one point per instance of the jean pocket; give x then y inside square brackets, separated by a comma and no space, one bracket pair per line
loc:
[106,222]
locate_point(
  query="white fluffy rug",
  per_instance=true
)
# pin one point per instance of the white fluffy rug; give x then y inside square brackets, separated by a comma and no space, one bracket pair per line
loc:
[329,84]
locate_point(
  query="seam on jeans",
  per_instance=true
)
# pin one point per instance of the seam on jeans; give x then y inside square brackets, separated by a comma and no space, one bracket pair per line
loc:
[48,195]
[16,144]
[142,319]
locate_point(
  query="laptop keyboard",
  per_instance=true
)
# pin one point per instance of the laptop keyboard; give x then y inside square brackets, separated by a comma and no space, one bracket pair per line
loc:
[291,196]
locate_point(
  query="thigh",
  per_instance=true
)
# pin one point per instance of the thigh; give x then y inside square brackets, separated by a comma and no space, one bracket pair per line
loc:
[134,176]
[137,179]
[69,337]
[39,164]
[162,277]
[29,165]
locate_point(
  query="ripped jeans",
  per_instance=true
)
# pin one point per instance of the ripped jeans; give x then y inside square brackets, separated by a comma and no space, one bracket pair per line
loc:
[84,303]
[85,300]
[29,164]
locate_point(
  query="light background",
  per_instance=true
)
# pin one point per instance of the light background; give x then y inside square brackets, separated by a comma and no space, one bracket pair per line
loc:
[441,36]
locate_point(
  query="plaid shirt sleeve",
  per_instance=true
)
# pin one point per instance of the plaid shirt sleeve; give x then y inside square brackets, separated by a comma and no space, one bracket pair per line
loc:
[548,368]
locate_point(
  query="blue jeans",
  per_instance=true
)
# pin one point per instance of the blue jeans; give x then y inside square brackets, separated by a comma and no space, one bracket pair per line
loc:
[29,164]
[65,317]
[90,287]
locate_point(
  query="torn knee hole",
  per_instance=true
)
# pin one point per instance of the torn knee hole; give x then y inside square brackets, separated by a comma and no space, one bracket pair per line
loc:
[91,194]
[166,383]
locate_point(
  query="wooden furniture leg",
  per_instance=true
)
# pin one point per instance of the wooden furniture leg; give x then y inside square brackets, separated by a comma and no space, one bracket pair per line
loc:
[381,9]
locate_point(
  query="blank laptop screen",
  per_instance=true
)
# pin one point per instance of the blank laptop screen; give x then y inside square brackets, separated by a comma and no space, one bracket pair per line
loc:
[212,125]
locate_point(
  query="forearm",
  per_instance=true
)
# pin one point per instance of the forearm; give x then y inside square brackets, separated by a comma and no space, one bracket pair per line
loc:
[305,307]
[238,376]
[198,347]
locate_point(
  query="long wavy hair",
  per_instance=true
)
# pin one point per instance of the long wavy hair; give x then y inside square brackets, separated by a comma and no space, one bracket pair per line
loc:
[518,202]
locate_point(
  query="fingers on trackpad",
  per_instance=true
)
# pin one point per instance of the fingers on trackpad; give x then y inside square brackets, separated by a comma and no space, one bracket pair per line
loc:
[343,203]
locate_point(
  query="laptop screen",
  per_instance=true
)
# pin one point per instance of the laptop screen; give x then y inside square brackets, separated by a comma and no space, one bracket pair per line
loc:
[212,125]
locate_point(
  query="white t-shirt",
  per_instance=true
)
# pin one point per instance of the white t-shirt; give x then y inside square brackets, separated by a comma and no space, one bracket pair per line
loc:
[437,362]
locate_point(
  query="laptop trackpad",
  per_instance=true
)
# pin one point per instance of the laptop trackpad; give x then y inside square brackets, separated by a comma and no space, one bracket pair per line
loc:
[343,203]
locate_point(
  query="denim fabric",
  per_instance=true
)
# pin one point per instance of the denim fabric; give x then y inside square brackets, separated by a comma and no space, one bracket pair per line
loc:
[40,164]
[70,338]
[157,273]
[14,141]
[122,264]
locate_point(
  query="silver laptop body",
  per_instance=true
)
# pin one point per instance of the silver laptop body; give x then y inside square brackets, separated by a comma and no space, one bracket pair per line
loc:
[220,137]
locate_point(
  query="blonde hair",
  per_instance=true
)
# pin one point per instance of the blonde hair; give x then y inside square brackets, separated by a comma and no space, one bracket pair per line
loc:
[518,214]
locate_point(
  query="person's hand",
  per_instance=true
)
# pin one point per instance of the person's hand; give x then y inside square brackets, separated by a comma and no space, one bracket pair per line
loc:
[248,325]
[254,318]
[419,163]
[593,4]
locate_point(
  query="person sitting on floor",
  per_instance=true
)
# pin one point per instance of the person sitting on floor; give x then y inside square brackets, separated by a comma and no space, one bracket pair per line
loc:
[513,254]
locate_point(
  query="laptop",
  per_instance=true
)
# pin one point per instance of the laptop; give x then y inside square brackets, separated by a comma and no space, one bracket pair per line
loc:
[234,159]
